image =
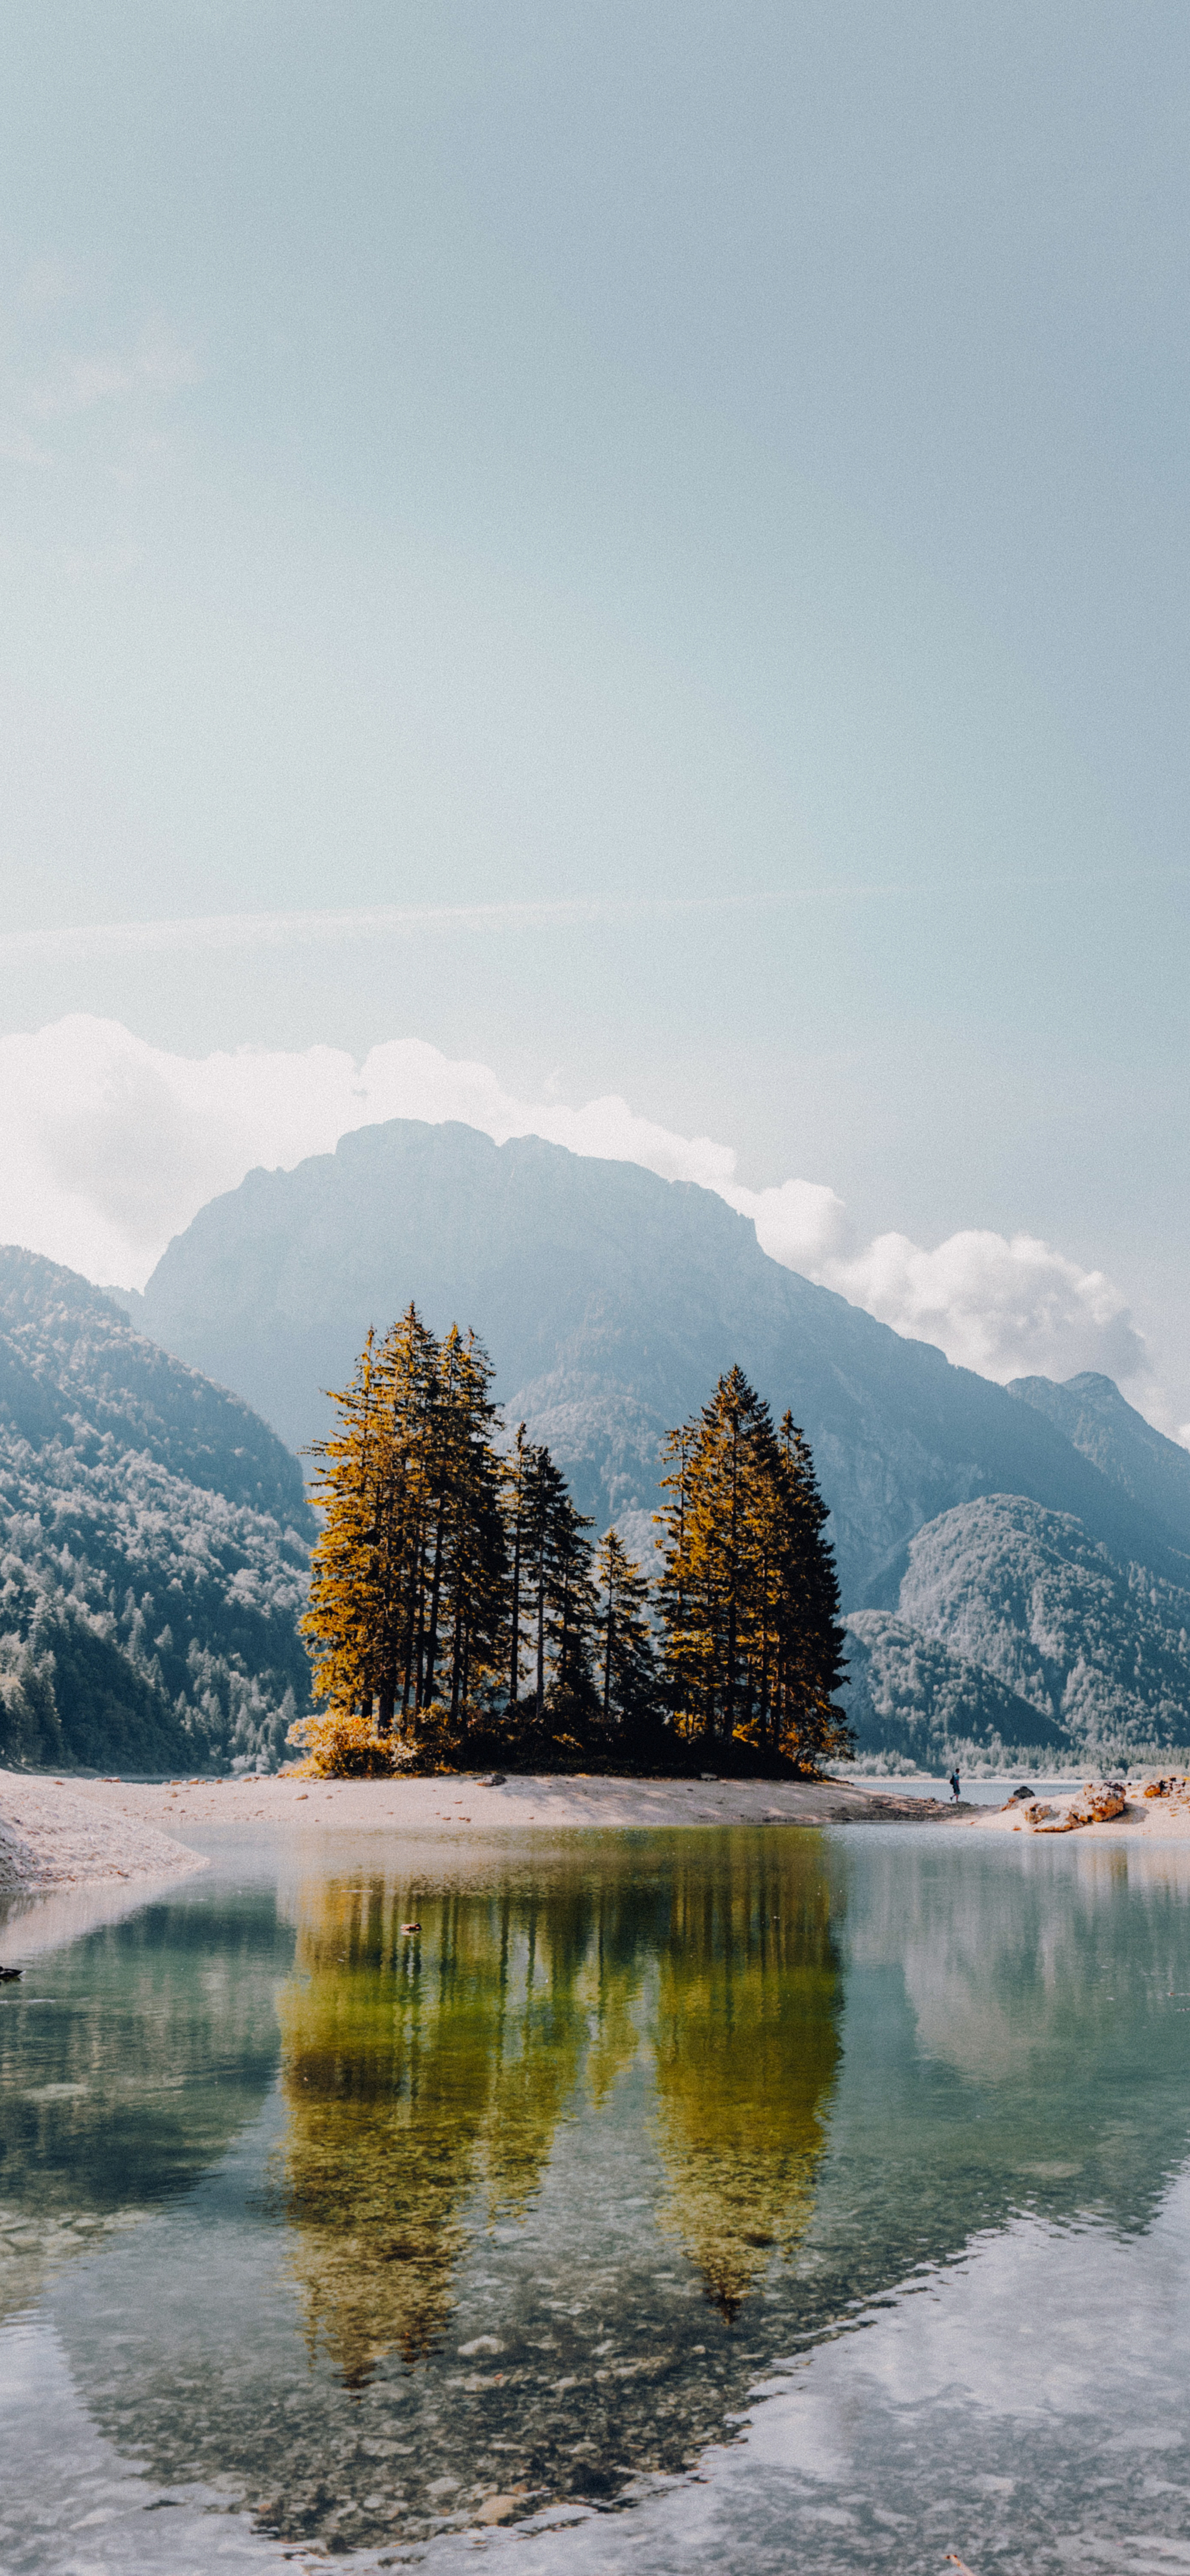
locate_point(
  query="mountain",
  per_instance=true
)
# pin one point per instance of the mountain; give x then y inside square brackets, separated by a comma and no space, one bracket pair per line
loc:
[1097,1420]
[910,1698]
[610,1301]
[154,1538]
[1096,1648]
[69,1364]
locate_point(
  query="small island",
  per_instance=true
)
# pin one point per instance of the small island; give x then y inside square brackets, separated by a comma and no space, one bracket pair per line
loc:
[459,1614]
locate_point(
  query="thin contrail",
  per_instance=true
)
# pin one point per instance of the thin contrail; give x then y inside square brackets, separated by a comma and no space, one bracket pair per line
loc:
[226,930]
[395,921]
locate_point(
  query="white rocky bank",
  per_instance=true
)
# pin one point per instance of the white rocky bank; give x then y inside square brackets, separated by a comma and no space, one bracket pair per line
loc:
[53,1836]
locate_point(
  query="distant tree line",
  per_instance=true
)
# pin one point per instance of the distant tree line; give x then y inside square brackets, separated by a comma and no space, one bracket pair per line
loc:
[459,1609]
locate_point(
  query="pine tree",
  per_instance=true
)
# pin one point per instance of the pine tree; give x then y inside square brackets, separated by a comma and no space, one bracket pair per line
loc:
[409,1460]
[808,1641]
[408,1581]
[469,1569]
[556,1562]
[517,1476]
[572,1604]
[627,1657]
[346,1590]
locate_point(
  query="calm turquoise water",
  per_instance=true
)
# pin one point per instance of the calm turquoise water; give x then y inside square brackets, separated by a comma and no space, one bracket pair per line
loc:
[770,2198]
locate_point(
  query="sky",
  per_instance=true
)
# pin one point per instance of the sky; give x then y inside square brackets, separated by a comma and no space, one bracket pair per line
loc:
[641,552]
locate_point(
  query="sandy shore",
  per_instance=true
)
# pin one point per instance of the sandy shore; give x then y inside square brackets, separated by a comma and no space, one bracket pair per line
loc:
[77,1833]
[55,1833]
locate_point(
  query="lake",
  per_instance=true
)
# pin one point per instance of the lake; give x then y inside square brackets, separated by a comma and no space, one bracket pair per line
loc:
[757,2198]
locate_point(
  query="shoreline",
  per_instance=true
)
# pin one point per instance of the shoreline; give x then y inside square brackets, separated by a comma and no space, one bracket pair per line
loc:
[55,1833]
[54,1836]
[59,1834]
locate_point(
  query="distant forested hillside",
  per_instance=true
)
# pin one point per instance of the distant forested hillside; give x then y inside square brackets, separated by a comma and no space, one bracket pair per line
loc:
[154,1541]
[912,1699]
[1100,1649]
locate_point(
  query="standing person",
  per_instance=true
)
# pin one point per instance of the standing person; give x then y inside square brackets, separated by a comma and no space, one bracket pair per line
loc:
[954,1786]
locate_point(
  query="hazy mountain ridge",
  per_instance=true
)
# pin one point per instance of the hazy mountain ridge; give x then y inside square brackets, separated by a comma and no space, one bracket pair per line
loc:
[147,1617]
[1104,1427]
[610,1301]
[1098,1649]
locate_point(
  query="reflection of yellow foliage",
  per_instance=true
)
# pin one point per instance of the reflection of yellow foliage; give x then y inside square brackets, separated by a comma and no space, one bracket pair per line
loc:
[385,2105]
[747,2045]
[615,2039]
[412,2066]
[421,2069]
[538,2054]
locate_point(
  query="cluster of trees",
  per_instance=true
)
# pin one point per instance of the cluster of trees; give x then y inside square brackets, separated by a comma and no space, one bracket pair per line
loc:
[457,1598]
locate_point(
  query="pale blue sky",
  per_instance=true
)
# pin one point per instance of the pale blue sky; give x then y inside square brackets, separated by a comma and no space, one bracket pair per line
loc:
[508,453]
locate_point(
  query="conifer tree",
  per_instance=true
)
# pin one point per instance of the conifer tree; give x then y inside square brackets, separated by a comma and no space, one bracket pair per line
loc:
[808,1663]
[517,1475]
[748,1593]
[572,1603]
[346,1610]
[627,1658]
[409,1463]
[468,1576]
[407,1594]
[557,1563]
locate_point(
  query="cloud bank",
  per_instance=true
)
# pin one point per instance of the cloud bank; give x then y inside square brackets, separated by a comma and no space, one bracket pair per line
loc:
[110,1146]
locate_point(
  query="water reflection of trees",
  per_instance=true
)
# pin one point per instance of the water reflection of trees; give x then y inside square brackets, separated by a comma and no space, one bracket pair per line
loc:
[422,2070]
[414,2068]
[746,2047]
[1018,2035]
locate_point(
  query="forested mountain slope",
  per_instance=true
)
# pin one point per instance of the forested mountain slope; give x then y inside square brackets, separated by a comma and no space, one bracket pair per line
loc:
[153,1545]
[610,1301]
[909,1696]
[1097,1648]
[72,1366]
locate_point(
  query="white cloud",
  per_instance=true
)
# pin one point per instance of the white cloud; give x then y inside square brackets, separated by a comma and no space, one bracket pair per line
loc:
[1007,1307]
[110,1146]
[801,1223]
